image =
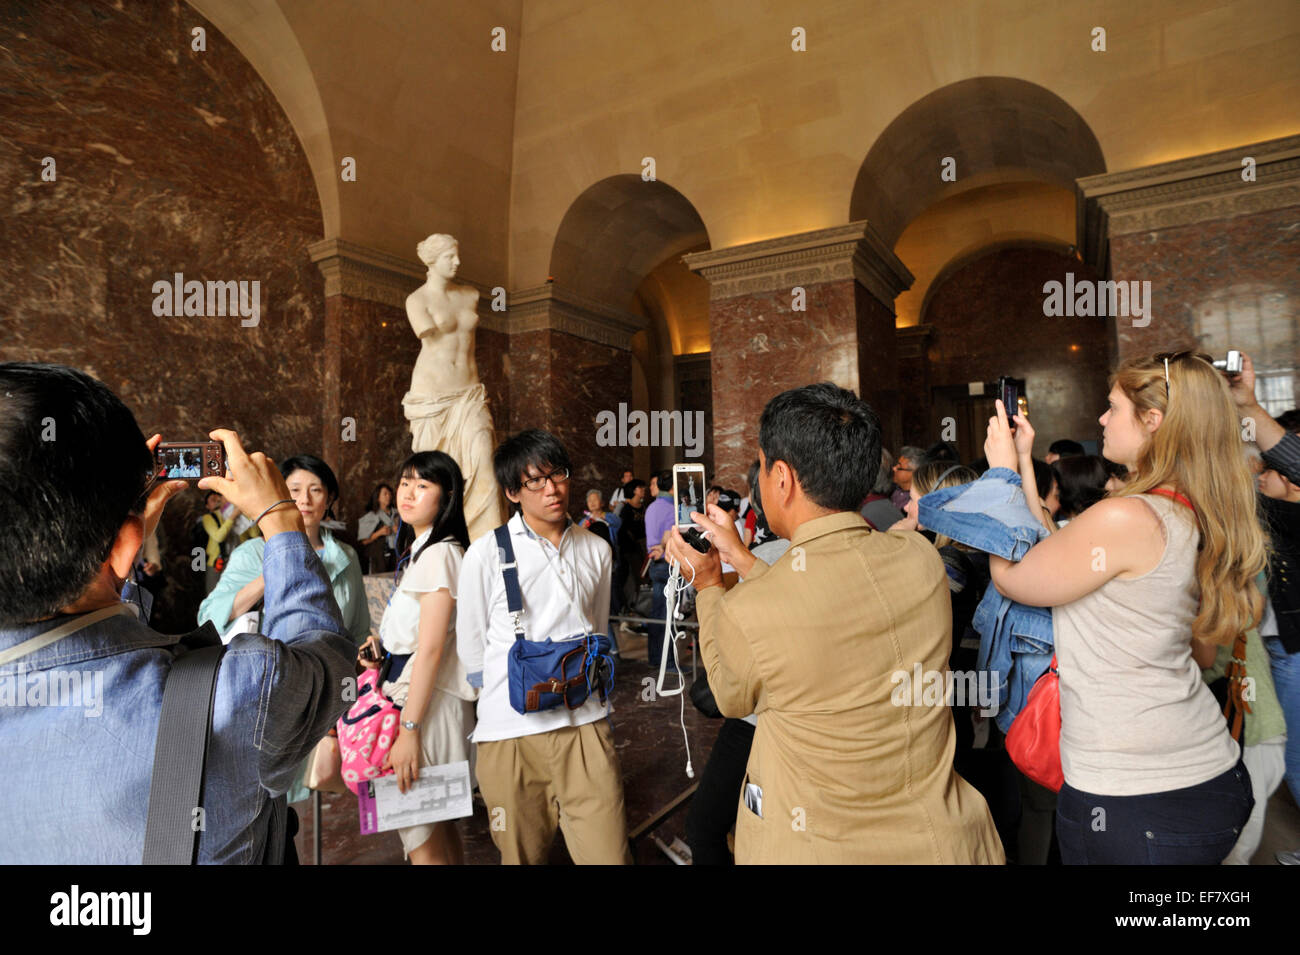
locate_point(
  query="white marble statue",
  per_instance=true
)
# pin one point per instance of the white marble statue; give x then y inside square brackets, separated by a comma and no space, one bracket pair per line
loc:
[447,405]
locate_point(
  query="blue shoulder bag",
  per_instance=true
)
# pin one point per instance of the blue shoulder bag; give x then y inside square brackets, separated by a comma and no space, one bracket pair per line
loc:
[544,674]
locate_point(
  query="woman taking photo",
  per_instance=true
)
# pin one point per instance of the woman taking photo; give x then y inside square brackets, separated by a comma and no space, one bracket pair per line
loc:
[1134,581]
[377,531]
[425,676]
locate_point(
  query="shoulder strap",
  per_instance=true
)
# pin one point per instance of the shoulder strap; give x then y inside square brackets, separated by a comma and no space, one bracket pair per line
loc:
[510,573]
[184,731]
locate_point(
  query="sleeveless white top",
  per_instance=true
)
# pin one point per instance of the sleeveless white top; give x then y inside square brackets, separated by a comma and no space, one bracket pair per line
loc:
[1136,717]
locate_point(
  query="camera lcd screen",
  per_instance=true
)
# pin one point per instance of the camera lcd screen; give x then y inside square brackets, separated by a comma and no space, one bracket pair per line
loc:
[180,461]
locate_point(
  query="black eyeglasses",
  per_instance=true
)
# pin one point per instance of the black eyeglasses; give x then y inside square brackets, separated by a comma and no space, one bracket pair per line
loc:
[557,477]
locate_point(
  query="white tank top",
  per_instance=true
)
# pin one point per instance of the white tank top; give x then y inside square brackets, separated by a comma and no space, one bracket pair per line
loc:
[1136,717]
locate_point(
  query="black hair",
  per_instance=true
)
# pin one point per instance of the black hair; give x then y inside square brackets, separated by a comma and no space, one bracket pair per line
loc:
[309,462]
[1082,479]
[373,503]
[712,488]
[825,434]
[665,480]
[1290,420]
[442,470]
[732,496]
[73,466]
[980,465]
[1044,477]
[629,489]
[752,477]
[939,451]
[1065,447]
[532,448]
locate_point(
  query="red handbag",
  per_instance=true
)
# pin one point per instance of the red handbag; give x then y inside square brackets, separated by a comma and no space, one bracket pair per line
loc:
[1034,740]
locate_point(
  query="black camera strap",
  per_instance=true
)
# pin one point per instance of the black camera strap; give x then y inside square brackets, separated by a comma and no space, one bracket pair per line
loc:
[510,574]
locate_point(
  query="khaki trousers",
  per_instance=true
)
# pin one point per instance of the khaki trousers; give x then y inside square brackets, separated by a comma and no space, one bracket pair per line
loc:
[570,777]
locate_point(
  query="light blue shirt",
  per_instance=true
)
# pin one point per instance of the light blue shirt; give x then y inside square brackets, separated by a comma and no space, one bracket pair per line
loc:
[79,776]
[341,565]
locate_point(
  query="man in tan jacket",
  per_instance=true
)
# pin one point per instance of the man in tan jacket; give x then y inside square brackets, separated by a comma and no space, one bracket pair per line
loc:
[838,772]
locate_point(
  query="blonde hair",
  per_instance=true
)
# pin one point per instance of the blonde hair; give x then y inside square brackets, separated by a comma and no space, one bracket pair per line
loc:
[1197,449]
[937,475]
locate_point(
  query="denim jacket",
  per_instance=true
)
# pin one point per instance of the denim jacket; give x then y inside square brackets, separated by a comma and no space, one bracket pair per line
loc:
[1016,642]
[79,722]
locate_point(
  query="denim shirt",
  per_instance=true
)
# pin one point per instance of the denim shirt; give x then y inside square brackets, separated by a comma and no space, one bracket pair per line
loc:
[78,776]
[1016,643]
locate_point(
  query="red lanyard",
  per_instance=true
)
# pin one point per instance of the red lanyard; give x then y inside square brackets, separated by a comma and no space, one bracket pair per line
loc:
[1175,496]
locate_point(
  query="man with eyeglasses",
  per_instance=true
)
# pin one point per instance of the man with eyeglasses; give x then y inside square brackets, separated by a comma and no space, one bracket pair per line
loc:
[551,767]
[909,459]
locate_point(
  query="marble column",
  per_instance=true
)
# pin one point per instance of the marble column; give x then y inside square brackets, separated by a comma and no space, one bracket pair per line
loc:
[368,356]
[817,306]
[1218,238]
[570,359]
[914,399]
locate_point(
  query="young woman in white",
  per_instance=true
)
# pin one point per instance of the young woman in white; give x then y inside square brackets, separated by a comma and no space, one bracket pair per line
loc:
[418,633]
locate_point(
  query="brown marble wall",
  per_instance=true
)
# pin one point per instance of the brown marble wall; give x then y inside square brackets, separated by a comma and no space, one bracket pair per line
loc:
[587,378]
[166,160]
[1245,269]
[559,383]
[492,355]
[987,320]
[878,373]
[530,376]
[761,348]
[375,357]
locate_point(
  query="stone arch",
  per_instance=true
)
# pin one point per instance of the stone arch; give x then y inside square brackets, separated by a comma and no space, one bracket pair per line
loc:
[616,232]
[262,34]
[997,128]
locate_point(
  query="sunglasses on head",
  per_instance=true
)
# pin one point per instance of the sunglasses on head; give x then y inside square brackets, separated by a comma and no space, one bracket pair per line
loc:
[1169,356]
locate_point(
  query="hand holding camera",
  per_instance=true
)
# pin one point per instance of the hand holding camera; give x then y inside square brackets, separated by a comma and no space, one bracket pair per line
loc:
[254,484]
[152,509]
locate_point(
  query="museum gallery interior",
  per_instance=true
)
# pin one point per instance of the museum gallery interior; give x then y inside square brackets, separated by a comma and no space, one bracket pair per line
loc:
[661,214]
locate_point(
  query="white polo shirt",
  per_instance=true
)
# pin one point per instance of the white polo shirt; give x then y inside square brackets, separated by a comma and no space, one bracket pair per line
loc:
[552,582]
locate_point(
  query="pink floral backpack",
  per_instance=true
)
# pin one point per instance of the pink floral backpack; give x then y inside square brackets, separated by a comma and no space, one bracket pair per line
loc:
[367,732]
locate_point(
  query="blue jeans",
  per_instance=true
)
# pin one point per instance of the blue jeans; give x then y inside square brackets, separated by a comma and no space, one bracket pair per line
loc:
[659,572]
[1286,681]
[1197,825]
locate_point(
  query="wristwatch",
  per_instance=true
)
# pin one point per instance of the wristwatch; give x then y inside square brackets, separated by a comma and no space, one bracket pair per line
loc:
[410,725]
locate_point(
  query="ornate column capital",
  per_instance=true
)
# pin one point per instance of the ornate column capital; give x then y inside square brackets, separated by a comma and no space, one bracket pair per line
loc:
[853,251]
[1184,192]
[550,307]
[371,275]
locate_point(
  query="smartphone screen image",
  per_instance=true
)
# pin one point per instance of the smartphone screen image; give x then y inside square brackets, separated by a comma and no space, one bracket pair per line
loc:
[688,492]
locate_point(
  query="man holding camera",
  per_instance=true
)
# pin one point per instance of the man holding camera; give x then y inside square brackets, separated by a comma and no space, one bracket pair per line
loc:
[81,677]
[838,772]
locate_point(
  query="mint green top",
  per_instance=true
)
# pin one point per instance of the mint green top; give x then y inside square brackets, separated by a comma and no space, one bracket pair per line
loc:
[346,580]
[341,565]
